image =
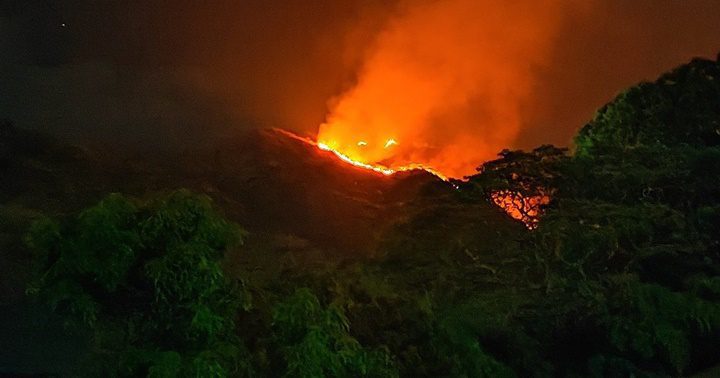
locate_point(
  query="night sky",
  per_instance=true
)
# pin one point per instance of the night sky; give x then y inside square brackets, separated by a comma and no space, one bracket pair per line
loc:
[157,74]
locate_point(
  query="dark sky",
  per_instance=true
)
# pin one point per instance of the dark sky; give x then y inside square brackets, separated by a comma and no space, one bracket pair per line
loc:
[617,45]
[157,73]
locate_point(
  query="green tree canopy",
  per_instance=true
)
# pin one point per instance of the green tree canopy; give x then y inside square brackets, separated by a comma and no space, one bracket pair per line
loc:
[145,277]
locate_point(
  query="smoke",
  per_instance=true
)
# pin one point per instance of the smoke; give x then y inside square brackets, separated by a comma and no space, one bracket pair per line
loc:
[158,75]
[453,81]
[602,52]
[447,81]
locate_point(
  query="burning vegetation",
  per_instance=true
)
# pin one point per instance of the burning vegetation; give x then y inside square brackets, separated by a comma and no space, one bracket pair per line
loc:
[443,86]
[384,170]
[524,209]
[620,278]
[521,195]
[378,247]
[441,90]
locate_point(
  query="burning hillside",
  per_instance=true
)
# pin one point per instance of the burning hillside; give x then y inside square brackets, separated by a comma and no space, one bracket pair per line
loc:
[375,167]
[271,181]
[240,256]
[524,208]
[443,86]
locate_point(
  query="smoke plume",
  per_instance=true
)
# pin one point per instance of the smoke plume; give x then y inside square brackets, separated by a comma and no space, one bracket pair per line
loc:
[445,84]
[451,81]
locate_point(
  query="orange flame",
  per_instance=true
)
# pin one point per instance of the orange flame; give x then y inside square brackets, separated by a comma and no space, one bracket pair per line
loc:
[444,85]
[524,209]
[360,164]
[390,142]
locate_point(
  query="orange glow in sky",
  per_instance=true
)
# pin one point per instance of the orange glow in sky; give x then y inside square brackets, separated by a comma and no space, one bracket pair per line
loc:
[444,85]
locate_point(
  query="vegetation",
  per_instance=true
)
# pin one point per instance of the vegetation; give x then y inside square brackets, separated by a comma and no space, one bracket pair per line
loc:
[619,274]
[146,279]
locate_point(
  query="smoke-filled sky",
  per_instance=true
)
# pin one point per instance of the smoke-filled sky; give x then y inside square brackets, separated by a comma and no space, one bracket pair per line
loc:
[450,76]
[445,82]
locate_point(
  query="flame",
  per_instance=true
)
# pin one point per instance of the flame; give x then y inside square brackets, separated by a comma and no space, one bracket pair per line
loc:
[377,167]
[386,171]
[526,209]
[356,163]
[390,142]
[445,85]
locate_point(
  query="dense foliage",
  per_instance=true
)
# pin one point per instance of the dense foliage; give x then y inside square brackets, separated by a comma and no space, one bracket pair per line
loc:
[633,224]
[146,279]
[619,277]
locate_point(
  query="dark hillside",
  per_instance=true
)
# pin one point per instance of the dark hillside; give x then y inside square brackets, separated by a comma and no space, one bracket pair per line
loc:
[344,272]
[269,183]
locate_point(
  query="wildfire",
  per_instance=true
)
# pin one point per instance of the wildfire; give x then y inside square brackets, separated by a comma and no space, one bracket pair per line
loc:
[390,142]
[379,168]
[524,209]
[356,163]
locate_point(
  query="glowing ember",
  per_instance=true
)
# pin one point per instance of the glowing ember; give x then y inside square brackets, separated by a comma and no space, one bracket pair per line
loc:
[360,164]
[525,209]
[372,167]
[390,142]
[445,84]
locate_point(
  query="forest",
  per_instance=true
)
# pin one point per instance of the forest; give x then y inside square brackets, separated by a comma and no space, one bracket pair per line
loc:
[616,274]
